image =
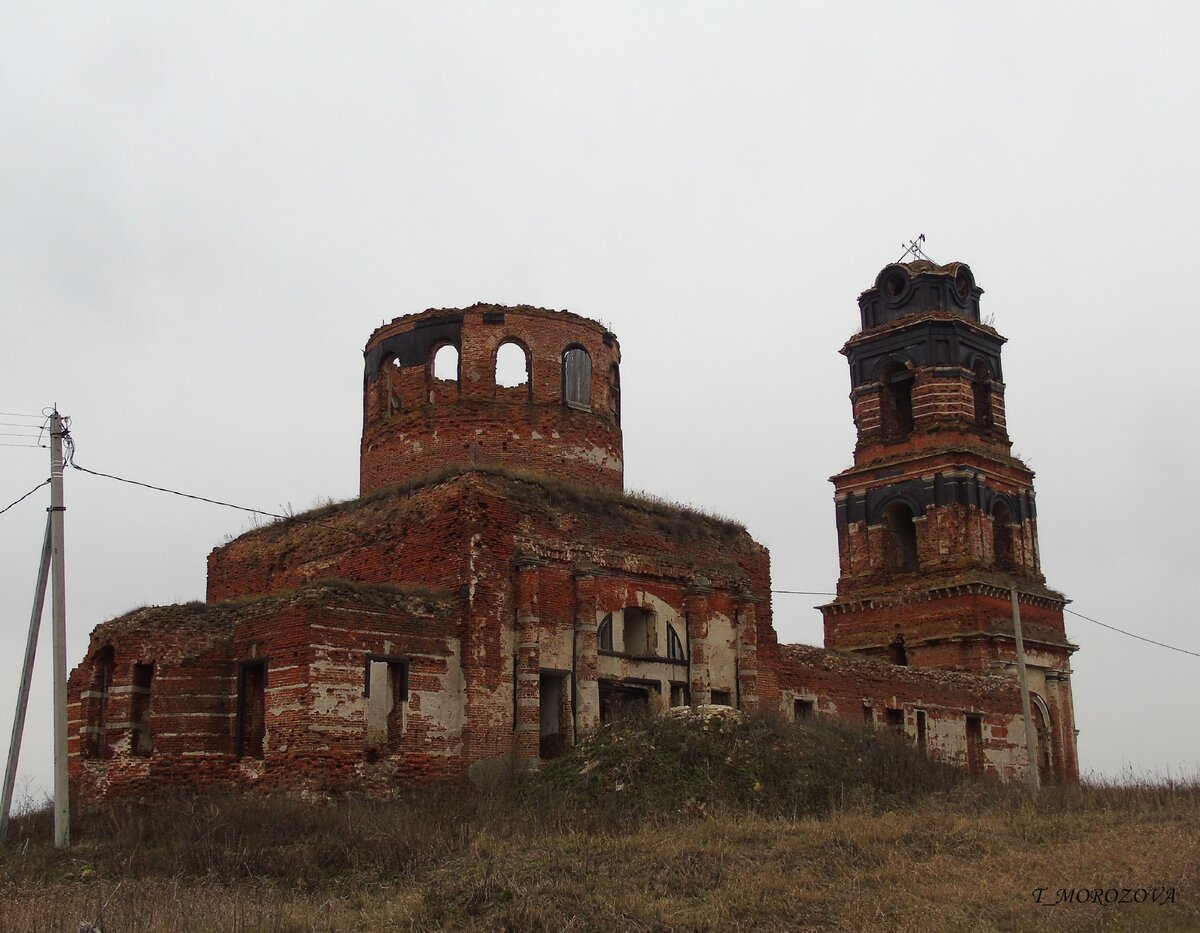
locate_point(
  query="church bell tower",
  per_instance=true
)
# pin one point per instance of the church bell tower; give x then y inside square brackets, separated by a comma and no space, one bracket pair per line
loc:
[936,518]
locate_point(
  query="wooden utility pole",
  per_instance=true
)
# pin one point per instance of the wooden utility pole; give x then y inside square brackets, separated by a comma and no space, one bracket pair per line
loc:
[18,725]
[1034,780]
[62,804]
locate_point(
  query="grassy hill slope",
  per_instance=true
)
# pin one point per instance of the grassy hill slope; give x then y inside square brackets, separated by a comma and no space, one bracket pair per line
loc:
[668,824]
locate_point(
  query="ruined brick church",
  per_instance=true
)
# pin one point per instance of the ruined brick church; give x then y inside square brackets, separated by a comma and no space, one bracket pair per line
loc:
[493,594]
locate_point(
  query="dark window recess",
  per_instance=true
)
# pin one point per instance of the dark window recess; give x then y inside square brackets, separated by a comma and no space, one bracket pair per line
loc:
[1002,537]
[141,742]
[604,634]
[804,710]
[921,727]
[721,698]
[975,746]
[895,719]
[868,715]
[981,389]
[895,402]
[897,653]
[577,378]
[674,646]
[679,694]
[251,709]
[902,530]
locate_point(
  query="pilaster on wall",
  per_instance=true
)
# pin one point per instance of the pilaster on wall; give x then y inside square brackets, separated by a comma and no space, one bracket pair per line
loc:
[1062,714]
[587,687]
[698,612]
[747,649]
[528,724]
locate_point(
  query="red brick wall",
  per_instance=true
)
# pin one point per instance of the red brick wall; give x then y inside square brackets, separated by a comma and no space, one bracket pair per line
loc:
[843,684]
[417,539]
[966,609]
[315,643]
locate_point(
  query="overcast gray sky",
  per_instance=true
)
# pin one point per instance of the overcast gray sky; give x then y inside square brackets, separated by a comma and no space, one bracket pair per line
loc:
[205,209]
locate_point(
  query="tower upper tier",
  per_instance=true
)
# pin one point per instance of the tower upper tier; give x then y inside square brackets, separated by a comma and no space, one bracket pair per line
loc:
[432,396]
[924,369]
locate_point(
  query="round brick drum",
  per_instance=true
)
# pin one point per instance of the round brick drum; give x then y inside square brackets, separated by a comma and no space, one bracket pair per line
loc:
[432,397]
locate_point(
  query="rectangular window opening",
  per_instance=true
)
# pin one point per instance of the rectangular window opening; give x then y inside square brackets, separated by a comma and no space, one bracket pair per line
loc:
[895,720]
[868,715]
[386,691]
[921,735]
[553,715]
[721,698]
[679,694]
[638,632]
[103,668]
[804,710]
[620,702]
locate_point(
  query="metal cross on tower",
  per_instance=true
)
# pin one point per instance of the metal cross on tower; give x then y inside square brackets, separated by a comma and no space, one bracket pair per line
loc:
[915,248]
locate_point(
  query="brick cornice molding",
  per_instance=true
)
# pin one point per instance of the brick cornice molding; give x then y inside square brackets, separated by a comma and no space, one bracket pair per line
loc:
[971,588]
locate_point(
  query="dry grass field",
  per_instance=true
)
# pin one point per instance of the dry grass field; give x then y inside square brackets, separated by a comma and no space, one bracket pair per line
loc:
[664,826]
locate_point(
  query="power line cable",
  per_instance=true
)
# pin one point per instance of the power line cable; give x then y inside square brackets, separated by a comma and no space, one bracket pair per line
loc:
[26,496]
[187,495]
[42,446]
[17,414]
[176,492]
[1160,644]
[805,592]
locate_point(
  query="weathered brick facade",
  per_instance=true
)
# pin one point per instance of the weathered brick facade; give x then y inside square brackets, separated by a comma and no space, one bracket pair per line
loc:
[493,594]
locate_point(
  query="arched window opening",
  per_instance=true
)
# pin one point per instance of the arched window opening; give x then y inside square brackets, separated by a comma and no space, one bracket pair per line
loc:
[445,363]
[512,366]
[604,634]
[103,667]
[981,388]
[903,533]
[1002,536]
[577,378]
[674,645]
[614,392]
[895,402]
